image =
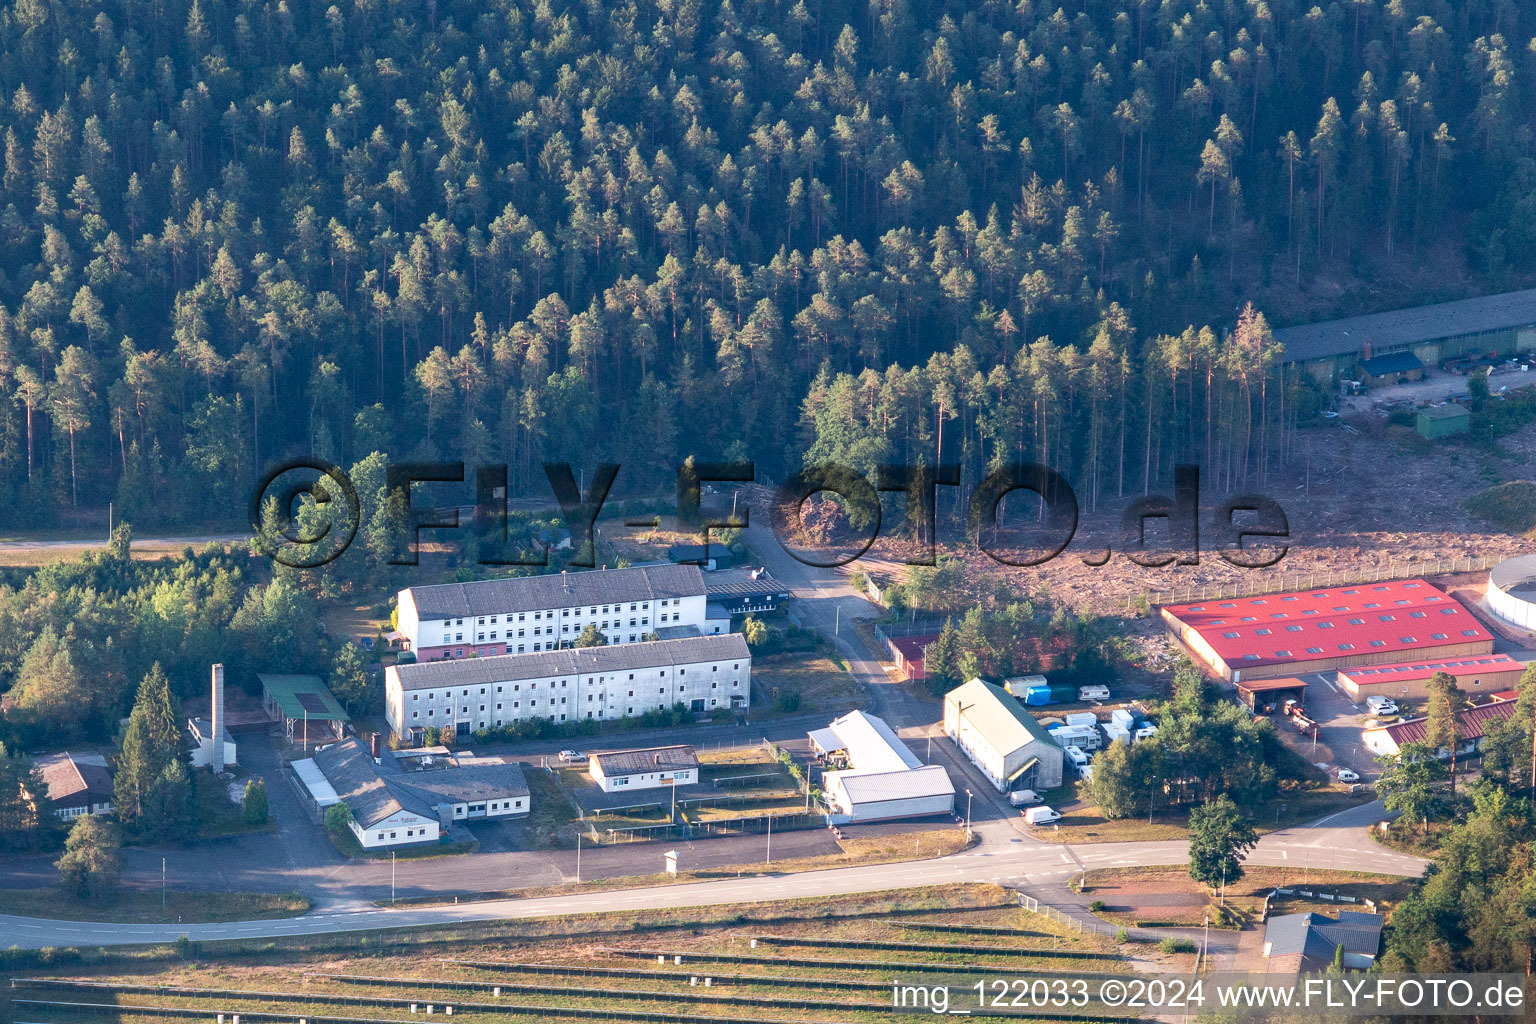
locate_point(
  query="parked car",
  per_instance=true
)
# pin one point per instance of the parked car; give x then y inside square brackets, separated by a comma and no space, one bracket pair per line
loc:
[1381,705]
[1041,816]
[572,756]
[1024,798]
[1348,775]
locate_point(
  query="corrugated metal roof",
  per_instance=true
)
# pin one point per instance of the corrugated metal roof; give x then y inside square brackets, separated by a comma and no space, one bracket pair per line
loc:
[315,781]
[871,745]
[557,590]
[289,693]
[571,661]
[997,716]
[1368,618]
[868,787]
[1402,327]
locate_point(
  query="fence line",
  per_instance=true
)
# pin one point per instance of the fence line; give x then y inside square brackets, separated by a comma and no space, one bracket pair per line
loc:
[1275,584]
[1050,913]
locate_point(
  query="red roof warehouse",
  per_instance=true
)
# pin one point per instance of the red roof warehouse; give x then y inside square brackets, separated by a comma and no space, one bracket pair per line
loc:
[1316,630]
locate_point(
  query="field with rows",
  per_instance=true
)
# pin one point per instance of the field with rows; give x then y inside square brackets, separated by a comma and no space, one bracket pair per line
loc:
[830,960]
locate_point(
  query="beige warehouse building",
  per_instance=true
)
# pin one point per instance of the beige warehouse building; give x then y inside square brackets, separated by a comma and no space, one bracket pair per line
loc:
[1488,673]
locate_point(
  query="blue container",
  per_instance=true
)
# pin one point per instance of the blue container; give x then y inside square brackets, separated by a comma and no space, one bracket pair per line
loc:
[1038,695]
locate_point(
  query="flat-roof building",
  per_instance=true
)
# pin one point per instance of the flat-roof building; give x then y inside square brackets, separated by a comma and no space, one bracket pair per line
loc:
[884,780]
[1317,630]
[1409,680]
[703,673]
[1012,749]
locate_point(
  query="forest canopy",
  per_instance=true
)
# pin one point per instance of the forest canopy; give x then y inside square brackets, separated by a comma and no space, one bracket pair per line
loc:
[520,231]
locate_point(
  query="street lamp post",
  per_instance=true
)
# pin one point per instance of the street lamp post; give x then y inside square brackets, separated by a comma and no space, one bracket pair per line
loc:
[391,877]
[968,796]
[578,858]
[162,885]
[768,853]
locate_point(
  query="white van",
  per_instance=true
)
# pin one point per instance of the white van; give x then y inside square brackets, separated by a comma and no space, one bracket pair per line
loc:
[1024,798]
[1095,692]
[1085,773]
[1041,816]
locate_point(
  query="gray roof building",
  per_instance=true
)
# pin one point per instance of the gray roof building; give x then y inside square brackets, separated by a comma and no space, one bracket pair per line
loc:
[374,792]
[1399,329]
[573,661]
[557,590]
[360,785]
[613,763]
[1306,942]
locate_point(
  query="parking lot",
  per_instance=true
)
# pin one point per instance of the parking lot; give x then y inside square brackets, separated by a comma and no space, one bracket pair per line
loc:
[1339,722]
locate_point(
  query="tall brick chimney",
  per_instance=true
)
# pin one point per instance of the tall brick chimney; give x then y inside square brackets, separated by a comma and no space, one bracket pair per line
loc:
[219,728]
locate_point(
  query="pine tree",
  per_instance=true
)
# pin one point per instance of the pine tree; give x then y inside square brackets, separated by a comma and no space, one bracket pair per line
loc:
[91,866]
[150,743]
[169,807]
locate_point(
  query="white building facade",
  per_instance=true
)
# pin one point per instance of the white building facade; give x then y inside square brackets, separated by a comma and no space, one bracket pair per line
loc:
[530,614]
[885,781]
[1002,738]
[617,771]
[703,673]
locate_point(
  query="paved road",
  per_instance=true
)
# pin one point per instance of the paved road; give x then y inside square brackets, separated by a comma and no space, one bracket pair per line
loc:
[1002,857]
[824,601]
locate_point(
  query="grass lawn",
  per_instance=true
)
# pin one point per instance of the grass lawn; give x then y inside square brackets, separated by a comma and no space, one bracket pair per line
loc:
[822,682]
[27,552]
[1410,837]
[1082,822]
[550,809]
[142,906]
[872,850]
[742,760]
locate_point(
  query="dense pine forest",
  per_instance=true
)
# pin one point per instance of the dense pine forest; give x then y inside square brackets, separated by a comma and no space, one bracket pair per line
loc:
[516,231]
